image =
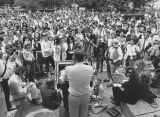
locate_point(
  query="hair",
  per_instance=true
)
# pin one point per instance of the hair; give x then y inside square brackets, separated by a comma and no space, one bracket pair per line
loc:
[79,55]
[1,38]
[19,70]
[17,42]
[134,76]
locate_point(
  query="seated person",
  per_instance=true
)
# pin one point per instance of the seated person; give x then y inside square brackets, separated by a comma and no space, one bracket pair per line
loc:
[156,77]
[146,94]
[128,90]
[20,89]
[97,89]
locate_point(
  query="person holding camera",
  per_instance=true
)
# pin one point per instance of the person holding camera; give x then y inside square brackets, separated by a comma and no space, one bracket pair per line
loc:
[9,62]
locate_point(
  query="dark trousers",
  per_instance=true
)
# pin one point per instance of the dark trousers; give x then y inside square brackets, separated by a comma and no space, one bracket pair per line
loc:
[6,92]
[64,88]
[49,60]
[118,94]
[30,71]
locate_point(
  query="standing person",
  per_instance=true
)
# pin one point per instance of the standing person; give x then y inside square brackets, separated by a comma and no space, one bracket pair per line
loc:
[115,56]
[10,63]
[70,45]
[47,52]
[3,107]
[79,77]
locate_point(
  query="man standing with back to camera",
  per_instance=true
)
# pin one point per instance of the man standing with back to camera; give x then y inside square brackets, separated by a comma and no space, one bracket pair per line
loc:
[79,77]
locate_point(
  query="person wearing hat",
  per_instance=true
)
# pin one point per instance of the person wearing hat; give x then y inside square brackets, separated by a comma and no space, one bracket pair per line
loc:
[115,56]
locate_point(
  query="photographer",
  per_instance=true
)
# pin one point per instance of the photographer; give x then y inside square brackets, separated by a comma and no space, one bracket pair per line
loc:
[10,63]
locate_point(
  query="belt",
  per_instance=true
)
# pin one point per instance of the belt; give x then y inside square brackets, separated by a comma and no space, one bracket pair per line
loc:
[80,95]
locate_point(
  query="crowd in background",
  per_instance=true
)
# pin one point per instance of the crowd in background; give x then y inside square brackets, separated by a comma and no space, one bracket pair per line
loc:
[40,40]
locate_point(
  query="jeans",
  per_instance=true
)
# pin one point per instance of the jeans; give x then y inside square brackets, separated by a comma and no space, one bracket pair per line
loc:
[3,108]
[78,105]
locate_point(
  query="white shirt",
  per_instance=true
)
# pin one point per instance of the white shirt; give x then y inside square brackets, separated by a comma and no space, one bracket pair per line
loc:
[47,49]
[145,43]
[79,77]
[111,51]
[132,50]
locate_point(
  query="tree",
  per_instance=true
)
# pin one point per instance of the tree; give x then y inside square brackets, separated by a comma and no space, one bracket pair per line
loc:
[28,4]
[6,2]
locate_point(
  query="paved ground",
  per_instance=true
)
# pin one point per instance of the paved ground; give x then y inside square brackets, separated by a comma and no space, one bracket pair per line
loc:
[30,110]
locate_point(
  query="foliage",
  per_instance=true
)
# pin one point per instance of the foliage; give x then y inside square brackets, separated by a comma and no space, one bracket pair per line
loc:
[29,4]
[119,5]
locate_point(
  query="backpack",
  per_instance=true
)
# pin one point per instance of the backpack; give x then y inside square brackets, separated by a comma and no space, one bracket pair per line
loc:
[53,101]
[50,96]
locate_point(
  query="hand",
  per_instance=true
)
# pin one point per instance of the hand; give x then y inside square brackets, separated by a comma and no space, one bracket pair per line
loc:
[114,61]
[123,81]
[117,85]
[33,59]
[29,89]
[13,57]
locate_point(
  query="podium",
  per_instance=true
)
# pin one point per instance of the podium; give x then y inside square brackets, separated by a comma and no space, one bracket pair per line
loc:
[64,63]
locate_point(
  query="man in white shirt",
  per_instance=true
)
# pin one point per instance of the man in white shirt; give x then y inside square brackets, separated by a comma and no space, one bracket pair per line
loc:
[115,56]
[79,77]
[47,52]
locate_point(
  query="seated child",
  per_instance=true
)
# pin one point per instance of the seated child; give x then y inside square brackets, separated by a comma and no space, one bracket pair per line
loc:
[97,89]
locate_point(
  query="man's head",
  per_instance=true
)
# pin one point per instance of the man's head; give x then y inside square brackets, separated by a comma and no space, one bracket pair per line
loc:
[78,55]
[20,71]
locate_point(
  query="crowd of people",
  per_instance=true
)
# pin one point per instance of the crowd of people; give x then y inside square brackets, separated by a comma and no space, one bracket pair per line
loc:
[32,43]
